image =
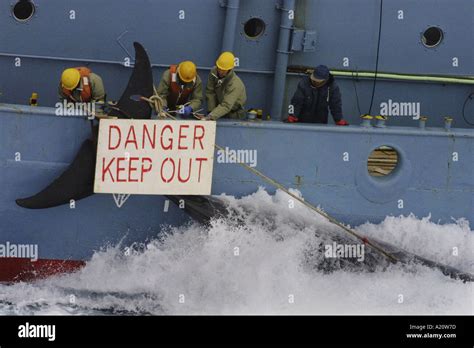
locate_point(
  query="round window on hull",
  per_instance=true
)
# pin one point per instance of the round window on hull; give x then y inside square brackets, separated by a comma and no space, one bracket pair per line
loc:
[382,161]
[23,10]
[254,28]
[432,37]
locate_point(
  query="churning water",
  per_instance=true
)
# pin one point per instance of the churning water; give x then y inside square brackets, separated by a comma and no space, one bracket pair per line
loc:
[262,266]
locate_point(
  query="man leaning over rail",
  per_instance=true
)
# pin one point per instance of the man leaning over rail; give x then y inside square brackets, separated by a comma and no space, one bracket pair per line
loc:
[181,89]
[314,96]
[81,85]
[225,91]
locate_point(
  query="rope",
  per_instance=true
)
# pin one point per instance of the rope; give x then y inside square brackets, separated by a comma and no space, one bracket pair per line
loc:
[157,103]
[377,57]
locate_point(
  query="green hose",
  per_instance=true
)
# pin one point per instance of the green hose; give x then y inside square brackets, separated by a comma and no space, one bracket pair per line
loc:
[422,78]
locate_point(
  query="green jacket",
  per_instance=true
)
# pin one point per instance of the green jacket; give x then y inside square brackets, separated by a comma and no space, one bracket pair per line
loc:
[195,98]
[97,88]
[226,97]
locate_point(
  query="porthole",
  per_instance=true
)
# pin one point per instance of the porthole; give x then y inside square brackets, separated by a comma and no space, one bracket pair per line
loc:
[23,10]
[254,27]
[382,161]
[432,37]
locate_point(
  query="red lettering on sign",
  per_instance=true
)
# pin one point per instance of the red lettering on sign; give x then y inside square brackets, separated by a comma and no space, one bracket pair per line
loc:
[170,139]
[151,139]
[132,169]
[131,137]
[200,159]
[196,137]
[120,169]
[146,170]
[106,169]
[110,137]
[179,171]
[181,136]
[162,174]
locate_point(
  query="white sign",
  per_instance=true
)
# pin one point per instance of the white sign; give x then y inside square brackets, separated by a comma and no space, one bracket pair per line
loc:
[155,157]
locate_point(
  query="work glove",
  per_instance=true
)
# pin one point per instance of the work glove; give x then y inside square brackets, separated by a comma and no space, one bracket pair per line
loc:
[292,119]
[342,123]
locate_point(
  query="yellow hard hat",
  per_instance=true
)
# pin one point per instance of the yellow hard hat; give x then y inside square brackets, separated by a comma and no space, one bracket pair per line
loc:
[187,71]
[226,61]
[70,78]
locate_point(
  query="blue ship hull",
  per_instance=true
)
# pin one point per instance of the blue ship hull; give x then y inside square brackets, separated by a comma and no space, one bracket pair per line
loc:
[310,158]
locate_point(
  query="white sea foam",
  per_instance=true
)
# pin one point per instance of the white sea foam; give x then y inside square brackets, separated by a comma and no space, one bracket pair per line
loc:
[259,267]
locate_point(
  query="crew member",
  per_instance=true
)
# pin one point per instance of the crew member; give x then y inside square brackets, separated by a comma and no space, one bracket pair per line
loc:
[81,85]
[225,91]
[181,88]
[315,95]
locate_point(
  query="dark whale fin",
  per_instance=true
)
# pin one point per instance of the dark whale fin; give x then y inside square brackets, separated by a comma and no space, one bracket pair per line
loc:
[77,181]
[140,83]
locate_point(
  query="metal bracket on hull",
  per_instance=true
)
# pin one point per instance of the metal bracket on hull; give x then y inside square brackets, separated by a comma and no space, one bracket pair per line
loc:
[303,40]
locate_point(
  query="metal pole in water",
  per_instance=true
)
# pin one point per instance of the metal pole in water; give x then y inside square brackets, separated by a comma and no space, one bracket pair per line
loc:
[281,65]
[331,219]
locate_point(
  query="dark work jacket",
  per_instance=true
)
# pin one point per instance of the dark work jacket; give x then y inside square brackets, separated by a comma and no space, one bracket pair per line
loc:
[311,104]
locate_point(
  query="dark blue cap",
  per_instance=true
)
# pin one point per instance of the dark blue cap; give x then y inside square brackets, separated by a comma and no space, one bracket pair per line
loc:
[321,73]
